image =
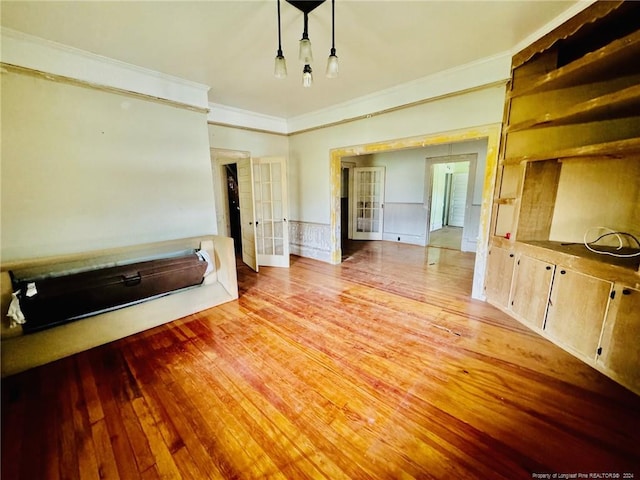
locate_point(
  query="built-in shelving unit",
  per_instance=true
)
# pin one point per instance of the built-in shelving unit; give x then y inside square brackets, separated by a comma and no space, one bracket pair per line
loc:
[570,166]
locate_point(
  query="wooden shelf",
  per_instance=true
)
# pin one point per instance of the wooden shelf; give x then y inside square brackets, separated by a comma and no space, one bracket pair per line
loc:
[579,250]
[570,160]
[575,256]
[615,149]
[616,59]
[618,104]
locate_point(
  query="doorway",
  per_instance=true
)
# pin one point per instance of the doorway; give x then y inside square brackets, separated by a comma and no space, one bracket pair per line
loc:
[251,206]
[233,206]
[449,198]
[490,133]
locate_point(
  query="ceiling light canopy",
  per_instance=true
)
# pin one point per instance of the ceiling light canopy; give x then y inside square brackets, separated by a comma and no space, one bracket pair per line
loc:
[305,55]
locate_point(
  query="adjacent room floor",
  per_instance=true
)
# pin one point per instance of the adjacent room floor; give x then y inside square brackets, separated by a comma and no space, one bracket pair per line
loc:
[378,368]
[446,237]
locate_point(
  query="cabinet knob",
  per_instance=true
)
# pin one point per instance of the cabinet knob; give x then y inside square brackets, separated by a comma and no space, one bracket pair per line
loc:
[562,272]
[548,267]
[511,255]
[626,291]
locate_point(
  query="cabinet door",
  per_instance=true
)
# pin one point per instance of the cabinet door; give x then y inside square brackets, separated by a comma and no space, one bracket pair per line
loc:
[621,337]
[577,307]
[530,291]
[499,272]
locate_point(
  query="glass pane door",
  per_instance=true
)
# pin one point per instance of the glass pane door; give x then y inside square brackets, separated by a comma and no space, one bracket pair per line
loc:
[369,202]
[272,233]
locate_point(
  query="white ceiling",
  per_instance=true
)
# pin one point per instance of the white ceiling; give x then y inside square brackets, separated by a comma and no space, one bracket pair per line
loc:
[231,45]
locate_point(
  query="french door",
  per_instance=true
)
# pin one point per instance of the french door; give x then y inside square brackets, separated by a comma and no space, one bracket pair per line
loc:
[247,218]
[368,202]
[271,211]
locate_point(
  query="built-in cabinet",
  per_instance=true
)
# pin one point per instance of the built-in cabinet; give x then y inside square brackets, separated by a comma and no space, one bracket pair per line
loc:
[577,309]
[619,352]
[497,287]
[568,173]
[531,286]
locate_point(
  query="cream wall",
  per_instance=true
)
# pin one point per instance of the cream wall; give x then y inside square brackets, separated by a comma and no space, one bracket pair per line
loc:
[310,189]
[85,169]
[258,144]
[308,154]
[309,182]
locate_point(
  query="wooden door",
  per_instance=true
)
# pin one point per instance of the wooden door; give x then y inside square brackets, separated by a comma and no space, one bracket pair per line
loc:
[577,308]
[270,195]
[458,199]
[499,273]
[247,219]
[368,203]
[530,292]
[620,345]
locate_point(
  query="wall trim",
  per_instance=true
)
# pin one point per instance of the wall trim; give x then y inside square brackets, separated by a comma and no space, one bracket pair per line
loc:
[489,71]
[230,116]
[81,83]
[424,101]
[37,54]
[248,129]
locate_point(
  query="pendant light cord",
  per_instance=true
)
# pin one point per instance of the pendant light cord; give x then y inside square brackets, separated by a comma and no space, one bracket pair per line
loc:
[279,33]
[333,27]
[305,33]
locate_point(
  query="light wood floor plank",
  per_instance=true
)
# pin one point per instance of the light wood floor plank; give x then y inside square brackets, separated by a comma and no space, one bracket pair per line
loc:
[379,368]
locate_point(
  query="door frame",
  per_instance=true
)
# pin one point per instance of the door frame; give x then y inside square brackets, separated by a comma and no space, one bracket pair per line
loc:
[219,159]
[490,132]
[472,158]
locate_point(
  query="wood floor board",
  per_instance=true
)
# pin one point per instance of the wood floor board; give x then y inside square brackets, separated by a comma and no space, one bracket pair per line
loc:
[284,390]
[379,368]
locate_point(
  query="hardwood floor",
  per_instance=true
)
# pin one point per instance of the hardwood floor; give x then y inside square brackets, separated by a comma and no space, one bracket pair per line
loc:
[380,368]
[446,237]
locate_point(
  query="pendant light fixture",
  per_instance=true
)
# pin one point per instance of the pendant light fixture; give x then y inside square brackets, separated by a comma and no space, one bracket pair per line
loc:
[332,62]
[307,76]
[305,55]
[280,70]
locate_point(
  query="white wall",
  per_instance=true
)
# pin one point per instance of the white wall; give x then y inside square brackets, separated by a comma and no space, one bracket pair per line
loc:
[84,169]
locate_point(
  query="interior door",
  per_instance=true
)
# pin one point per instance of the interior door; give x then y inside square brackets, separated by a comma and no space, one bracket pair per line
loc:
[247,218]
[458,204]
[368,194]
[271,211]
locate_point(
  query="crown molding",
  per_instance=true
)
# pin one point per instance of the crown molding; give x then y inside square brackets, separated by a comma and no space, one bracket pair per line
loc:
[41,55]
[483,72]
[225,115]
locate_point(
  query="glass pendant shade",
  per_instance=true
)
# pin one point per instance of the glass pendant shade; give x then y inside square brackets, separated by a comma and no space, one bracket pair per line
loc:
[332,65]
[307,76]
[305,51]
[280,70]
